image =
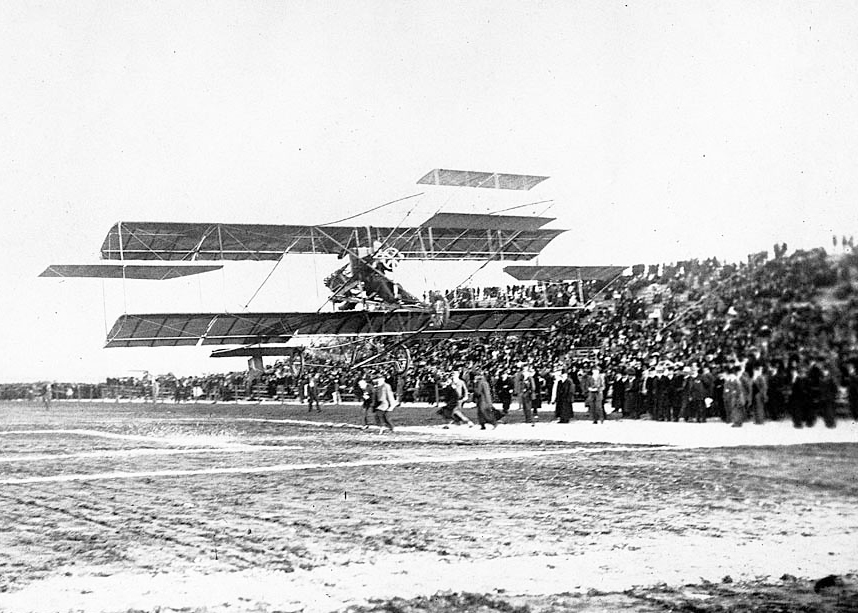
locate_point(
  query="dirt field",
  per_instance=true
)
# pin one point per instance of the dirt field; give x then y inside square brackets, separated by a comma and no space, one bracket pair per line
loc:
[119,507]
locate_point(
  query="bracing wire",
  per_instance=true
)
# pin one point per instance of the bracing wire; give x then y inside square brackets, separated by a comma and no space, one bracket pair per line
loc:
[387,238]
[375,208]
[328,223]
[489,259]
[521,206]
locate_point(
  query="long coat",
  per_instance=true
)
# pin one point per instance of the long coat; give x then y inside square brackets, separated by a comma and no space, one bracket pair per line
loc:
[483,400]
[564,400]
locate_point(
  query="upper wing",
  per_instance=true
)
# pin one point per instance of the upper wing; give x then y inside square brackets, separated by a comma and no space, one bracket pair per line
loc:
[127,271]
[470,178]
[504,240]
[563,273]
[177,329]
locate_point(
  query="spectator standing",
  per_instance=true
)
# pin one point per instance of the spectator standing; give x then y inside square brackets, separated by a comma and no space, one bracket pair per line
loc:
[563,398]
[632,394]
[778,391]
[525,394]
[483,400]
[384,404]
[365,393]
[734,397]
[800,399]
[47,394]
[719,406]
[618,392]
[505,387]
[760,395]
[852,388]
[661,394]
[538,385]
[594,383]
[677,389]
[311,392]
[746,380]
[828,402]
[695,397]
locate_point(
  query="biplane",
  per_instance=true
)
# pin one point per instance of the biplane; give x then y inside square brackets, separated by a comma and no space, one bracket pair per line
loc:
[375,317]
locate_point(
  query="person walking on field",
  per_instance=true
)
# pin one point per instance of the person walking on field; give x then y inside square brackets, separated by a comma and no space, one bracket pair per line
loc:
[384,404]
[483,400]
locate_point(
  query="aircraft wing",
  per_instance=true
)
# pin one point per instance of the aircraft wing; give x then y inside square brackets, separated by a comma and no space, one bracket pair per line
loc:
[179,329]
[489,237]
[563,273]
[154,272]
[470,178]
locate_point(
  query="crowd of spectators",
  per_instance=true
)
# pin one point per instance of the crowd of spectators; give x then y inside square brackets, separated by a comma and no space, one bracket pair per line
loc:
[554,294]
[786,318]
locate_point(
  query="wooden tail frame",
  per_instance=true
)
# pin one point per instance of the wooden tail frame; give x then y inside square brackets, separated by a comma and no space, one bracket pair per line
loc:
[397,355]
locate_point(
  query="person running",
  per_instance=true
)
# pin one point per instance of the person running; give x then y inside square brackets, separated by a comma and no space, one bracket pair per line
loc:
[460,388]
[450,409]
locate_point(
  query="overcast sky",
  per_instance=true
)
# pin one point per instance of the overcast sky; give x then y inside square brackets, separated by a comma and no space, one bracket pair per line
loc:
[669,129]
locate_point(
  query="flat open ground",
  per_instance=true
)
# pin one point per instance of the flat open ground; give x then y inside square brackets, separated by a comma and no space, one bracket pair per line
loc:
[118,507]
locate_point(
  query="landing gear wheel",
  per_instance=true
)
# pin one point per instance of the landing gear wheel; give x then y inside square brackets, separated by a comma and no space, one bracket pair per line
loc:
[401,360]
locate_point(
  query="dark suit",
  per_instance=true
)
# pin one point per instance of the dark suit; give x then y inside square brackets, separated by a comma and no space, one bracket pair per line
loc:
[565,392]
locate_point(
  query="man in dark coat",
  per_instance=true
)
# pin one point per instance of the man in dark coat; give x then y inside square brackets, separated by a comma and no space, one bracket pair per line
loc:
[676,400]
[852,388]
[759,395]
[483,399]
[695,397]
[618,392]
[563,398]
[632,395]
[661,392]
[505,387]
[805,397]
[779,384]
[829,398]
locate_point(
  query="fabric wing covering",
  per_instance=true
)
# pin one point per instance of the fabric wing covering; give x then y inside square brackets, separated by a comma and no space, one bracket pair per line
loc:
[152,272]
[470,178]
[483,222]
[563,273]
[505,239]
[175,330]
